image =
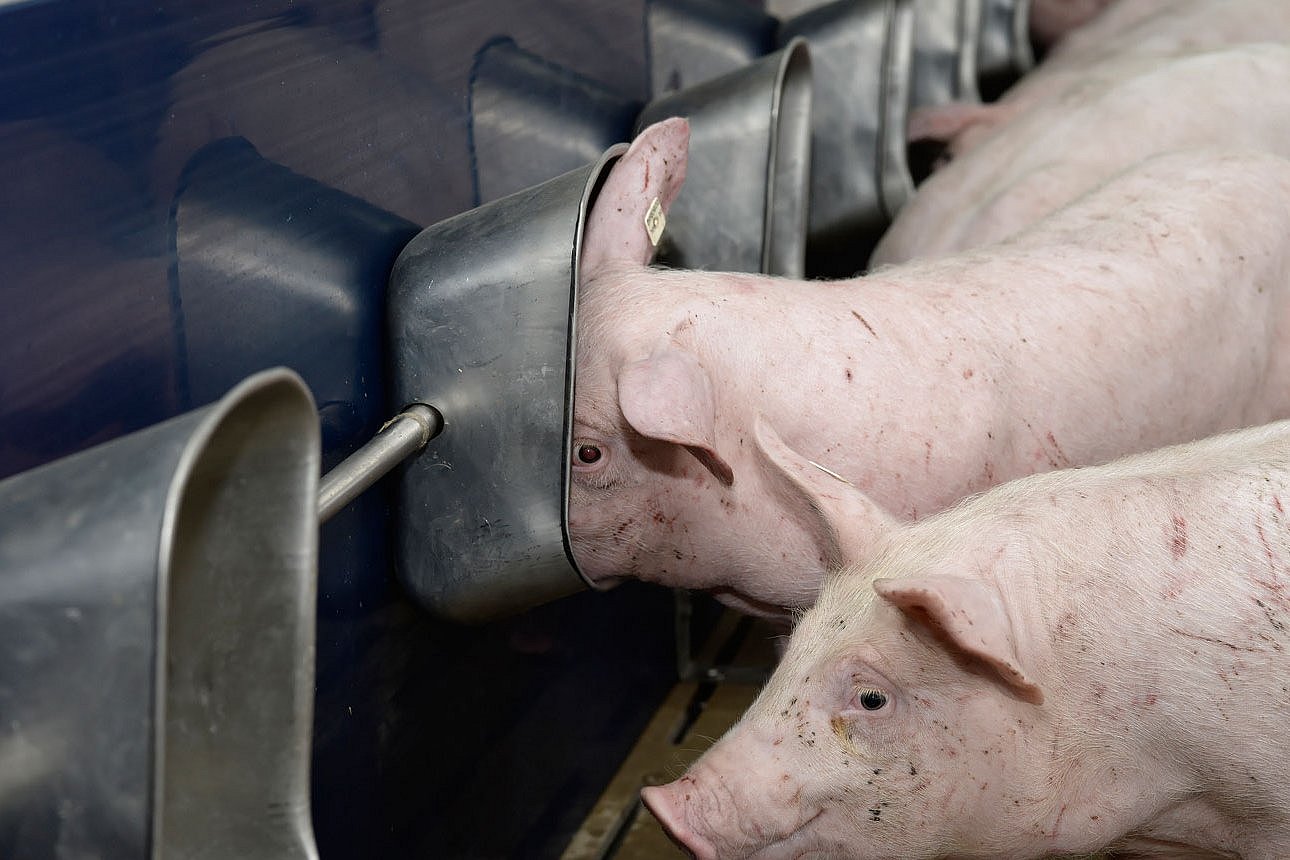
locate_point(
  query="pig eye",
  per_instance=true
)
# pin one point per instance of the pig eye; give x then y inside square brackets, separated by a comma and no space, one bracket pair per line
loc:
[587,454]
[872,700]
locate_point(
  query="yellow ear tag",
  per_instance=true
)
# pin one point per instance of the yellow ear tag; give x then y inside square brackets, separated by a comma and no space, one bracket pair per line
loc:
[655,221]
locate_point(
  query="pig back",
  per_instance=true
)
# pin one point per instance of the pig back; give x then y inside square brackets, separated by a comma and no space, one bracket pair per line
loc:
[1099,124]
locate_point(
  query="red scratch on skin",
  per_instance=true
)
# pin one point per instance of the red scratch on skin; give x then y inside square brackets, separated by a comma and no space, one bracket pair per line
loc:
[1277,501]
[1212,641]
[1178,542]
[864,322]
[645,184]
[1061,455]
[1263,539]
[1057,825]
[1276,590]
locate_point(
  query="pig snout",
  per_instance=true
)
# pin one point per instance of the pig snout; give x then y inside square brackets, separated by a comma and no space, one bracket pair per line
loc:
[668,806]
[735,805]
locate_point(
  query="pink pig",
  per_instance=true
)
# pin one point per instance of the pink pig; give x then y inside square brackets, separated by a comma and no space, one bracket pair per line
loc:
[1091,659]
[1072,142]
[743,434]
[1129,33]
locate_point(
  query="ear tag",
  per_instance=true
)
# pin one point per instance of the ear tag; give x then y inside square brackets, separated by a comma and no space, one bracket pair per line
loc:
[655,221]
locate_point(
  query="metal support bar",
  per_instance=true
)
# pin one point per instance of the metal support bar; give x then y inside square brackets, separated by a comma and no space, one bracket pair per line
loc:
[401,437]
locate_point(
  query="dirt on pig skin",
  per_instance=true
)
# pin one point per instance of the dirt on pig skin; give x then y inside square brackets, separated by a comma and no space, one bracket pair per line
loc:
[1006,679]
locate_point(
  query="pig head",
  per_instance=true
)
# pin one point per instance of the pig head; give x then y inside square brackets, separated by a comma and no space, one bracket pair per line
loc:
[676,477]
[1080,661]
[906,720]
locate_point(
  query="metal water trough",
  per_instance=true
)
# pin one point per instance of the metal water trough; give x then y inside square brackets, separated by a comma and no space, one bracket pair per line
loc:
[157,603]
[749,153]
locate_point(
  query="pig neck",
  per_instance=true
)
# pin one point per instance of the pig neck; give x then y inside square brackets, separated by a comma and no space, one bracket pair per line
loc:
[894,384]
[871,379]
[928,382]
[1164,678]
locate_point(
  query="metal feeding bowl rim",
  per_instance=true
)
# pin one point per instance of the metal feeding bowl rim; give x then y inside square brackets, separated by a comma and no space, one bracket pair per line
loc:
[595,181]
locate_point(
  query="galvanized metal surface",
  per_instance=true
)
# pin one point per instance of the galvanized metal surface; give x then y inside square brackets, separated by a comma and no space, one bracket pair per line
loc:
[743,205]
[140,718]
[1003,46]
[481,325]
[532,119]
[945,50]
[861,54]
[693,41]
[861,71]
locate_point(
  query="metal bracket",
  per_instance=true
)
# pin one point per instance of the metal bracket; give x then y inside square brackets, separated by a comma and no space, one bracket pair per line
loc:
[399,438]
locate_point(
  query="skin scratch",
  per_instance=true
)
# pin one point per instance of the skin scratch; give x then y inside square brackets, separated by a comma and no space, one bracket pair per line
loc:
[864,322]
[1212,641]
[1178,542]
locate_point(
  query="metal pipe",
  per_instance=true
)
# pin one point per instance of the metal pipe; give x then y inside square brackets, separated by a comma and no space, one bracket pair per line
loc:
[401,437]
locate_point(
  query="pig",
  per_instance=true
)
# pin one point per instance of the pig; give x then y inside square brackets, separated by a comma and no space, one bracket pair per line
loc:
[1074,141]
[1081,660]
[742,434]
[1127,30]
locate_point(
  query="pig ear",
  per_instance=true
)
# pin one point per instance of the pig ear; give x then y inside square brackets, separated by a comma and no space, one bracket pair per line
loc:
[844,521]
[669,397]
[653,168]
[969,614]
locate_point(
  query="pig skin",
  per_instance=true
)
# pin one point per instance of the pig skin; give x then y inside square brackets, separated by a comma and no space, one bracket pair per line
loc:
[751,432]
[1090,659]
[1075,140]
